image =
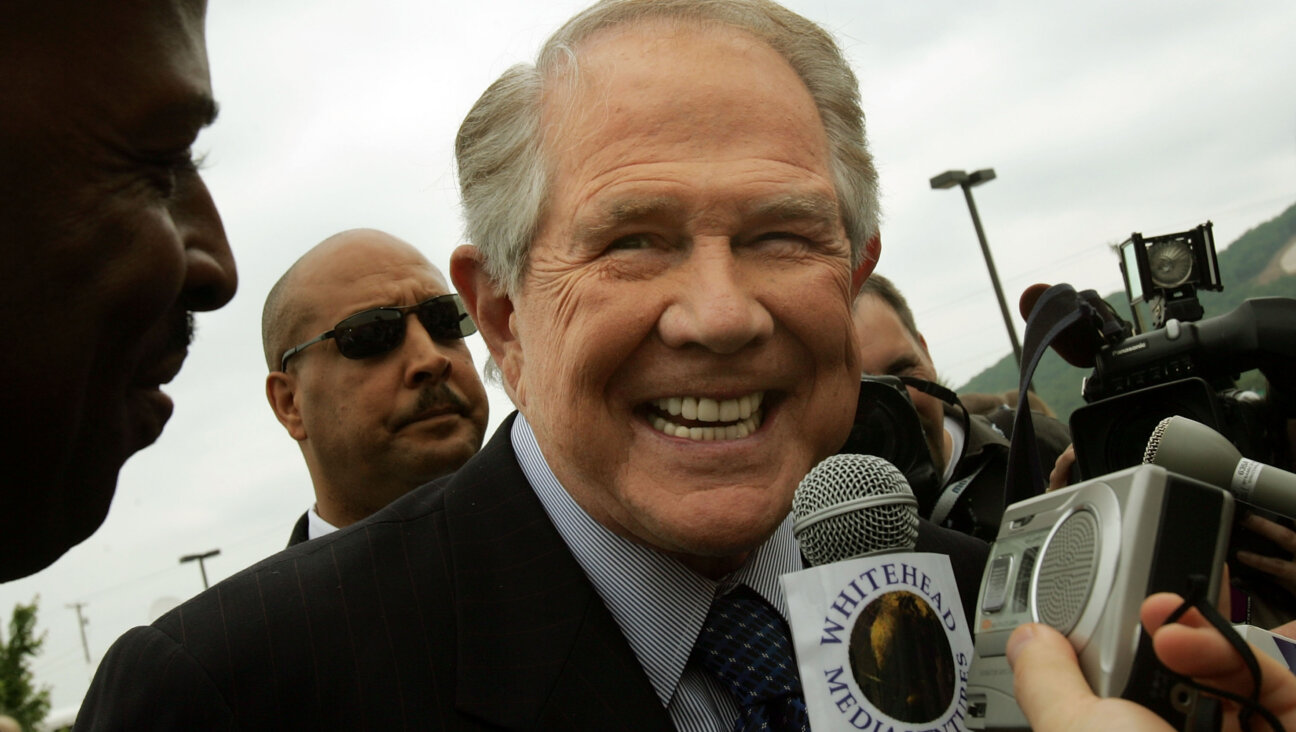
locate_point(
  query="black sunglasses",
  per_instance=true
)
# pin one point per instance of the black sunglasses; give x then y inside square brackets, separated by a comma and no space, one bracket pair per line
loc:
[377,331]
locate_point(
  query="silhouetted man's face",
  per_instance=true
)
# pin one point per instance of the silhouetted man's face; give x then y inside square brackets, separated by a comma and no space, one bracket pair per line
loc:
[111,241]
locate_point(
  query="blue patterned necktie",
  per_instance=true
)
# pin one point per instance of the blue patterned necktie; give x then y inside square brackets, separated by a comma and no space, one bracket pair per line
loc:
[744,643]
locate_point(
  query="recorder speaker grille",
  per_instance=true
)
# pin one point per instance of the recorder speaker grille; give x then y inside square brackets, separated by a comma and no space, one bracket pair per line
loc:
[1066,571]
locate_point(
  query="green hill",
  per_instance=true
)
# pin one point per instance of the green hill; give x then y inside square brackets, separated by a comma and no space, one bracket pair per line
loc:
[1248,268]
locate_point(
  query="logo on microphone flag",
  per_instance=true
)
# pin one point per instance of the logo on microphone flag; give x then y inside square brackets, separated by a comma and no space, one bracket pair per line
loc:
[881,643]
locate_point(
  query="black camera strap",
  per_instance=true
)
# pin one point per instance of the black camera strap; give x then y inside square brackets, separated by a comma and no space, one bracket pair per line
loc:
[1057,309]
[950,493]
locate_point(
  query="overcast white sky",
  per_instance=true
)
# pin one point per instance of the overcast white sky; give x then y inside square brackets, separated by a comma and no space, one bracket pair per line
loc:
[1101,118]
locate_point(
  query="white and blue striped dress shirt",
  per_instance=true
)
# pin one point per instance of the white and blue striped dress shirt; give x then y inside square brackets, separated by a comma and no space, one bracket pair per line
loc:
[659,603]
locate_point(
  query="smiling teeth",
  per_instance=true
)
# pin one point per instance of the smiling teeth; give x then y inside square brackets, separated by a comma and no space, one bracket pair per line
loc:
[711,410]
[743,416]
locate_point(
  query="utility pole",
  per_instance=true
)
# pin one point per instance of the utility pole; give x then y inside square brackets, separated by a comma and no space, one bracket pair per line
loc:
[81,624]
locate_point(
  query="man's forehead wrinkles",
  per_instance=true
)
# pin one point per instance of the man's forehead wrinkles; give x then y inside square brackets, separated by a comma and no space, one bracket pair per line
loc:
[336,297]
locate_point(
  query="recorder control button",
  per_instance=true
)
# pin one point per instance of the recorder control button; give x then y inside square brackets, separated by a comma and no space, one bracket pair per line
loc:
[1021,593]
[997,584]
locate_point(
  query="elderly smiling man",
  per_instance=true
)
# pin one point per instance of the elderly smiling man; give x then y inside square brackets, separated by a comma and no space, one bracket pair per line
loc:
[671,212]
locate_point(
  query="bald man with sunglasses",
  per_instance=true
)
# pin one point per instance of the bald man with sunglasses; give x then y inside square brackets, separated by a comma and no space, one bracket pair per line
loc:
[370,373]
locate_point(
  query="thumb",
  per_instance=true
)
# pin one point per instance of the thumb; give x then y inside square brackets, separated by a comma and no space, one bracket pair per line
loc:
[1046,676]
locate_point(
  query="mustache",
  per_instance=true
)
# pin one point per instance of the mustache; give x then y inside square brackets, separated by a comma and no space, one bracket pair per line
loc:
[435,396]
[180,333]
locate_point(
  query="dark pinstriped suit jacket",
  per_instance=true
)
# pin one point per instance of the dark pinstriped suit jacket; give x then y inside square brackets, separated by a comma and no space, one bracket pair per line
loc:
[456,607]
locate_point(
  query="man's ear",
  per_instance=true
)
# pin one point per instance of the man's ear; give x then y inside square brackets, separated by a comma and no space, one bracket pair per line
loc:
[872,250]
[491,308]
[923,342]
[281,392]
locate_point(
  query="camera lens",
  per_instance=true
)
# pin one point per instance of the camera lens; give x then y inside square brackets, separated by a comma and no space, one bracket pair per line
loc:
[1112,434]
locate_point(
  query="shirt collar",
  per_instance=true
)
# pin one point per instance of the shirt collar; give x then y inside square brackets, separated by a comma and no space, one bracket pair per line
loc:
[316,526]
[658,603]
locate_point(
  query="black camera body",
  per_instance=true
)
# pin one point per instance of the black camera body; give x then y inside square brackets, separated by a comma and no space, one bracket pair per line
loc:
[1188,369]
[886,425]
[1187,366]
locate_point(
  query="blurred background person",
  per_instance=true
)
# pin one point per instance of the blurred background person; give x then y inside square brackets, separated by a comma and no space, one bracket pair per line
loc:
[988,404]
[969,451]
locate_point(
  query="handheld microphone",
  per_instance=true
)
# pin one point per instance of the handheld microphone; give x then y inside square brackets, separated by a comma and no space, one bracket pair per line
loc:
[854,506]
[1079,344]
[880,636]
[1190,448]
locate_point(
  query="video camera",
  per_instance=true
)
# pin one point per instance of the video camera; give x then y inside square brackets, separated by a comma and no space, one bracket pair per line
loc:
[1184,366]
[886,425]
[1180,366]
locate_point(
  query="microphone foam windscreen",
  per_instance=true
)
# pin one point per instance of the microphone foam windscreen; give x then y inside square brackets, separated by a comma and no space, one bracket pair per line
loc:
[852,505]
[1154,442]
[1030,296]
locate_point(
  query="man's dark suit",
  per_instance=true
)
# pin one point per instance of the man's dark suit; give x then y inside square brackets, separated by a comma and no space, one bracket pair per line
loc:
[458,606]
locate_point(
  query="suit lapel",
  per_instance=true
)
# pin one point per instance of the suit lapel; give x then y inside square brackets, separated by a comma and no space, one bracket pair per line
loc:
[536,645]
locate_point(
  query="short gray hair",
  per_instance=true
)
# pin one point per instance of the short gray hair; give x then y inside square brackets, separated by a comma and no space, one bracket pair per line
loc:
[504,176]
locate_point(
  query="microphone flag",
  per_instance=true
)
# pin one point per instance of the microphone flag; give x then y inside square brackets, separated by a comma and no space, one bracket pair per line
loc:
[881,643]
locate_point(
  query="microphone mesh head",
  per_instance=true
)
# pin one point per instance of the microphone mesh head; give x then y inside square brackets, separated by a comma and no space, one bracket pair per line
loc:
[1154,442]
[852,505]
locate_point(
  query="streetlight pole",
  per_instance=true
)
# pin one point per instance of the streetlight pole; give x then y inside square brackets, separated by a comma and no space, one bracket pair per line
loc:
[199,558]
[951,178]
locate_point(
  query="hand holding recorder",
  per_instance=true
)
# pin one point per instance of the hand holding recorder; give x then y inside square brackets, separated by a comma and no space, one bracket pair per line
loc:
[1055,697]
